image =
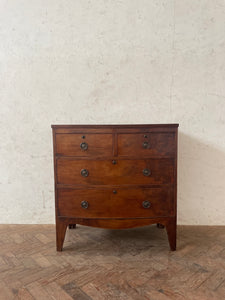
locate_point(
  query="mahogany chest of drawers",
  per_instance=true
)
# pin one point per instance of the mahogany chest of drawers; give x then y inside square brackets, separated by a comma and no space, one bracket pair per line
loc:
[115,176]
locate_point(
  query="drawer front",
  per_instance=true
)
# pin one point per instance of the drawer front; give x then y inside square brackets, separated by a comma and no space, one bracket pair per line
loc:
[84,144]
[115,172]
[146,144]
[117,203]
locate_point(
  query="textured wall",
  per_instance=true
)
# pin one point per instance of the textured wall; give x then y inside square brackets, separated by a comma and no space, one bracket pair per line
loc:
[112,61]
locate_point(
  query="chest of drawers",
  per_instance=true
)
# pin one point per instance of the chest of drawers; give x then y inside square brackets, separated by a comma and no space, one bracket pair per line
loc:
[115,176]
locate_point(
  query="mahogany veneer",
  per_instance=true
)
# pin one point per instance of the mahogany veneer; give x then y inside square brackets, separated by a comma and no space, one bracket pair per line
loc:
[115,176]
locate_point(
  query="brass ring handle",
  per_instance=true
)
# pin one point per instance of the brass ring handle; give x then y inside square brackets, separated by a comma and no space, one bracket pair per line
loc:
[146,172]
[84,172]
[146,145]
[146,204]
[84,204]
[84,146]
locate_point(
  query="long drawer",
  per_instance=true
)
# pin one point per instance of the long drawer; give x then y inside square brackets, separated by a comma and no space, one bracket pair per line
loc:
[115,172]
[116,203]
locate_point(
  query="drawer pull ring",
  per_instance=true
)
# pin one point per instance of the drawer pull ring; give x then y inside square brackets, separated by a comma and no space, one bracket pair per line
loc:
[84,146]
[146,204]
[84,204]
[146,145]
[84,173]
[114,162]
[114,192]
[146,172]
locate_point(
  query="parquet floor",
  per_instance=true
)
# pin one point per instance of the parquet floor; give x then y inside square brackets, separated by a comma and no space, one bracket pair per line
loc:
[101,264]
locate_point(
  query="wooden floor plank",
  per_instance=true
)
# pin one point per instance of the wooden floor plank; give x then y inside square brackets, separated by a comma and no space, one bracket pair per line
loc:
[57,292]
[38,292]
[23,294]
[5,292]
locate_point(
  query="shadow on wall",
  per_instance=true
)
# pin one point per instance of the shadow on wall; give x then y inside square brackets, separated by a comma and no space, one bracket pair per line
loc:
[201,182]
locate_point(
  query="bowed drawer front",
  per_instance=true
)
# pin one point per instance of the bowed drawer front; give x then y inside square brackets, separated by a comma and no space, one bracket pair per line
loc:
[111,172]
[115,176]
[117,202]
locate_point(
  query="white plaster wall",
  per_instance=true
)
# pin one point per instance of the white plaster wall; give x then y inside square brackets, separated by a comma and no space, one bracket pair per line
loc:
[111,61]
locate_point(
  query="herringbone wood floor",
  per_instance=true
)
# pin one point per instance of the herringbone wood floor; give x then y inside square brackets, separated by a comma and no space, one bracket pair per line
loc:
[103,264]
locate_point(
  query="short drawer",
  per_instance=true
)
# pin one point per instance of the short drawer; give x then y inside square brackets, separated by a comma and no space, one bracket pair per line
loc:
[116,203]
[146,144]
[84,144]
[115,172]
